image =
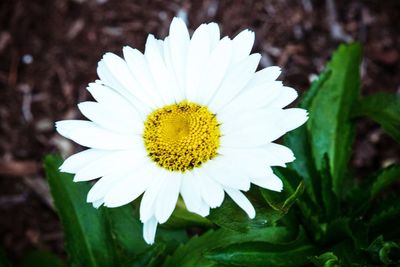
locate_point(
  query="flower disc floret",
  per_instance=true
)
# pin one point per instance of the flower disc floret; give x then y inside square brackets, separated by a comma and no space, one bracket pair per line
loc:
[182,136]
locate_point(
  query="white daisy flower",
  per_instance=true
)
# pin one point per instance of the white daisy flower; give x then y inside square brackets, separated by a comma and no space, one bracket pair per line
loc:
[189,117]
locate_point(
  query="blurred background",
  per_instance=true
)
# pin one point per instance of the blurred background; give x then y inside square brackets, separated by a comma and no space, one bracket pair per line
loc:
[49,51]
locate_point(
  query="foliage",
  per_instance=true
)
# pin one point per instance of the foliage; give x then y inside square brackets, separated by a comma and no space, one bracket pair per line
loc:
[383,108]
[88,238]
[323,216]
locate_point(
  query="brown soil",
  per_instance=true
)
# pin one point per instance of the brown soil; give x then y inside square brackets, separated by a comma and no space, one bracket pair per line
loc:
[49,50]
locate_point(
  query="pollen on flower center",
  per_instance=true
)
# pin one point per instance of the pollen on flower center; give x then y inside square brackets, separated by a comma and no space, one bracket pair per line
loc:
[180,137]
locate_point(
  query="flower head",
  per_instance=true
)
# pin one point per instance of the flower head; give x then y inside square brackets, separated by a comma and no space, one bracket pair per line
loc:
[189,117]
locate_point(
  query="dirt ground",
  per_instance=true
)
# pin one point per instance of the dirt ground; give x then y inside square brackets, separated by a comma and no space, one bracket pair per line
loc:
[49,50]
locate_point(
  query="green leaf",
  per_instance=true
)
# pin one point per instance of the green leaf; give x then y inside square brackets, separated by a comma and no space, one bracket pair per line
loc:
[292,192]
[357,200]
[293,188]
[386,252]
[171,237]
[293,197]
[152,257]
[231,216]
[193,253]
[88,240]
[316,85]
[362,196]
[385,219]
[348,255]
[343,228]
[329,198]
[385,178]
[299,143]
[126,230]
[260,253]
[329,124]
[328,259]
[42,259]
[182,218]
[384,108]
[282,201]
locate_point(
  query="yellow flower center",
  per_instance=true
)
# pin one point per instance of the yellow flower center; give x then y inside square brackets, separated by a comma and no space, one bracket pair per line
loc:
[180,137]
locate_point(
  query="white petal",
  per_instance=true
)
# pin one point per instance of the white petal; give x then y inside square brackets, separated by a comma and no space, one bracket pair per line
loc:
[158,70]
[66,127]
[160,45]
[279,151]
[235,80]
[259,126]
[214,34]
[293,118]
[176,91]
[270,154]
[147,205]
[231,121]
[105,184]
[254,167]
[96,204]
[215,71]
[149,230]
[227,172]
[259,173]
[264,76]
[108,79]
[112,99]
[242,44]
[179,43]
[198,53]
[190,192]
[167,197]
[108,119]
[287,95]
[130,188]
[204,209]
[77,161]
[139,68]
[89,134]
[254,98]
[119,69]
[125,159]
[121,195]
[212,192]
[243,140]
[241,201]
[271,182]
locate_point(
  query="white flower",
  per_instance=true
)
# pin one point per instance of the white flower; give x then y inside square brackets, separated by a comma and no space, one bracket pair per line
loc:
[190,116]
